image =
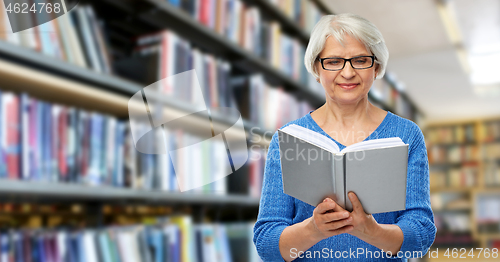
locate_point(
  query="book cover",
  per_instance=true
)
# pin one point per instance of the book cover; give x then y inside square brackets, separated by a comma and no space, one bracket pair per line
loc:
[3,165]
[119,155]
[11,142]
[94,176]
[85,32]
[62,144]
[172,244]
[156,244]
[46,145]
[55,139]
[314,168]
[25,136]
[100,41]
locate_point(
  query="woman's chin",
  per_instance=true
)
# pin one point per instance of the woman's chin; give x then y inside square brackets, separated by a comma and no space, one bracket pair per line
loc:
[347,99]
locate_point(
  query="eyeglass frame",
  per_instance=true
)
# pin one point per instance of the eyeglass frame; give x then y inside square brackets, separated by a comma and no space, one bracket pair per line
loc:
[345,61]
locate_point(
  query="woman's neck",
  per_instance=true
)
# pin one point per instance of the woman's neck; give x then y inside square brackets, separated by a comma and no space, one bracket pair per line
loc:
[349,124]
[347,115]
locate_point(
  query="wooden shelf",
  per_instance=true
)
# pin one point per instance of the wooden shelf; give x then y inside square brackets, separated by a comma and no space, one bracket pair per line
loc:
[162,15]
[453,189]
[91,96]
[74,192]
[183,24]
[471,143]
[287,24]
[472,193]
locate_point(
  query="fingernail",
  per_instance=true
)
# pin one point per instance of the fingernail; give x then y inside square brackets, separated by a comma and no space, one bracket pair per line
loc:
[345,215]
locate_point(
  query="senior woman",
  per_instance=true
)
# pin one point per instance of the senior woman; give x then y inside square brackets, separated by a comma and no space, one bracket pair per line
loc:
[346,53]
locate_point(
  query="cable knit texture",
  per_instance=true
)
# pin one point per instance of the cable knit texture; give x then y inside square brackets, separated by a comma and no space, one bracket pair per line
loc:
[278,210]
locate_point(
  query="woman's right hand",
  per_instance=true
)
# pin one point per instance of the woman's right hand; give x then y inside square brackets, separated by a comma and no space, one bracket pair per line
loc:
[329,219]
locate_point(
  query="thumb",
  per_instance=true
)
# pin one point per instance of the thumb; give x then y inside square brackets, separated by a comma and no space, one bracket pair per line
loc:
[356,205]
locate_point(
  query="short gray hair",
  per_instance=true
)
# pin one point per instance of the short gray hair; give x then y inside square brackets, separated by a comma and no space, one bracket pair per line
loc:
[353,25]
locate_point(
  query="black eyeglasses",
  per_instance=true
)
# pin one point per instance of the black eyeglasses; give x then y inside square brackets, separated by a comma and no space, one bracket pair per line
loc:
[337,63]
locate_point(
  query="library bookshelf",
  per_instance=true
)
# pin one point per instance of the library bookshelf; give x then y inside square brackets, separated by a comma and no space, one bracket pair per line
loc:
[59,81]
[464,182]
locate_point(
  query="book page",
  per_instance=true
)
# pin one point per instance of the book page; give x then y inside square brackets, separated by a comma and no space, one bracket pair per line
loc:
[311,137]
[375,143]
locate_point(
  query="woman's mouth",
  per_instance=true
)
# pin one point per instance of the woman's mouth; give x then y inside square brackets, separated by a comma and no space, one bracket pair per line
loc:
[348,86]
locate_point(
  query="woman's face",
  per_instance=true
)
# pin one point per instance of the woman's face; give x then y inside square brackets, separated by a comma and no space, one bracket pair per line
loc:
[349,85]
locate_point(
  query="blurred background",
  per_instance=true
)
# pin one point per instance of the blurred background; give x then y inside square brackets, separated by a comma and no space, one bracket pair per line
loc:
[74,186]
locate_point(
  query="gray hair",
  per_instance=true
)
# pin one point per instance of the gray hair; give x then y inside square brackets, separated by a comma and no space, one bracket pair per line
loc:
[353,25]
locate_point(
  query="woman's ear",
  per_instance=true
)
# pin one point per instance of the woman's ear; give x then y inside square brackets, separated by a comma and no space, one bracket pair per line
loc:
[377,69]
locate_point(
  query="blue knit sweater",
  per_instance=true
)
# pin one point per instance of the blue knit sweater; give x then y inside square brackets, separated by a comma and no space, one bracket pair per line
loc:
[278,210]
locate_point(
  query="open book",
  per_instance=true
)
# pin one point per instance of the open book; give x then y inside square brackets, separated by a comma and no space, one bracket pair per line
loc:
[314,168]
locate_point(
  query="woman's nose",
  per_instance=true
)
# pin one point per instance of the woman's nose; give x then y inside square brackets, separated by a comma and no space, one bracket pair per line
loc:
[348,71]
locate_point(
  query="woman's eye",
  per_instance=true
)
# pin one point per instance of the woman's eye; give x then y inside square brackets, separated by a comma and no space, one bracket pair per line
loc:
[360,60]
[333,62]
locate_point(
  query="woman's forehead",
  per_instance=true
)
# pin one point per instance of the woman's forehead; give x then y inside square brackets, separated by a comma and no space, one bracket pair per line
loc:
[348,46]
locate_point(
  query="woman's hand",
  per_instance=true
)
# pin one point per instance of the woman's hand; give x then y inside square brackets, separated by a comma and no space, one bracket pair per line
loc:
[329,219]
[365,226]
[389,238]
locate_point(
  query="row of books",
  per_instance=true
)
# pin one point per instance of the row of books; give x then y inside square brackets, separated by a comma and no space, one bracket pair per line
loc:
[41,141]
[491,151]
[452,222]
[452,134]
[402,106]
[245,26]
[305,13]
[464,176]
[76,37]
[494,243]
[386,95]
[276,106]
[490,131]
[439,154]
[488,209]
[437,179]
[383,92]
[449,202]
[175,240]
[454,240]
[491,173]
[165,54]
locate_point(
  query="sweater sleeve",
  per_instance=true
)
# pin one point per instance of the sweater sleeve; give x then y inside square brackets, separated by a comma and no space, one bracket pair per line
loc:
[417,221]
[276,209]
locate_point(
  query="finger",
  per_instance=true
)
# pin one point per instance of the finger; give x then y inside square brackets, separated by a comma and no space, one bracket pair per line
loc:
[341,230]
[356,204]
[339,223]
[335,216]
[326,205]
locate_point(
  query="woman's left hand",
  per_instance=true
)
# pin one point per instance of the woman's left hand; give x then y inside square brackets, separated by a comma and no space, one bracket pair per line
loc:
[365,226]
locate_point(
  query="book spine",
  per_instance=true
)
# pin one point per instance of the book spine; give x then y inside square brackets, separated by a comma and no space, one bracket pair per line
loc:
[339,184]
[25,112]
